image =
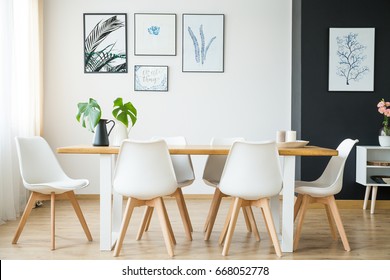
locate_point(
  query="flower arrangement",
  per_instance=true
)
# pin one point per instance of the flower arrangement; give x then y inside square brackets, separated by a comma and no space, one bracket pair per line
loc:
[384,109]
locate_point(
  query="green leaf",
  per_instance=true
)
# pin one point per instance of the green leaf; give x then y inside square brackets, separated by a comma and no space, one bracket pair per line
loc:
[89,113]
[124,112]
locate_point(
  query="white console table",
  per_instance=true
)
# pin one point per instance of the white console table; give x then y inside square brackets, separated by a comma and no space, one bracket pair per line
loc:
[372,161]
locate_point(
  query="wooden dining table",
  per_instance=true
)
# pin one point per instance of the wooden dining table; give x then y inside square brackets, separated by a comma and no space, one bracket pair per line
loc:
[111,202]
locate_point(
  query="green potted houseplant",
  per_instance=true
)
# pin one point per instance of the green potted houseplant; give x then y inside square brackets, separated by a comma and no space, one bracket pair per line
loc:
[126,116]
[89,115]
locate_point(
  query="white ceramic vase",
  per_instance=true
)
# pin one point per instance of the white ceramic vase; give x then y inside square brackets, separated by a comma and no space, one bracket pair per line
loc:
[118,134]
[384,141]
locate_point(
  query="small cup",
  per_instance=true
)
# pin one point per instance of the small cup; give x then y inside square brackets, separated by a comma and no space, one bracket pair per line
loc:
[291,136]
[280,136]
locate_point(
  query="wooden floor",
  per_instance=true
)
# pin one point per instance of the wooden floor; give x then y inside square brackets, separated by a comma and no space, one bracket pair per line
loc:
[369,236]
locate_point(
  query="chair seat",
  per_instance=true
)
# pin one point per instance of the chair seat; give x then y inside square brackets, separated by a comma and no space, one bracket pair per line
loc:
[185,183]
[211,182]
[58,187]
[315,189]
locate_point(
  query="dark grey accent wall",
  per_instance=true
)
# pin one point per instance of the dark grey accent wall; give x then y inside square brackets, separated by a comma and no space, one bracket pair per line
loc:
[329,117]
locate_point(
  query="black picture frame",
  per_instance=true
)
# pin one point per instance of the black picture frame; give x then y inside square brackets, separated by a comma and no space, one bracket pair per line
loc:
[105,43]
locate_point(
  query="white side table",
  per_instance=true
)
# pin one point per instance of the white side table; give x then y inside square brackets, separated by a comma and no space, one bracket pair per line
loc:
[372,161]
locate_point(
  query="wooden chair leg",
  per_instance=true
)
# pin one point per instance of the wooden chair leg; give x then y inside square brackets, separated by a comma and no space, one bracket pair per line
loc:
[213,201]
[252,221]
[26,213]
[131,204]
[213,213]
[297,205]
[232,225]
[53,219]
[246,219]
[336,215]
[264,203]
[79,213]
[301,216]
[226,225]
[145,221]
[149,218]
[183,213]
[164,223]
[171,234]
[331,222]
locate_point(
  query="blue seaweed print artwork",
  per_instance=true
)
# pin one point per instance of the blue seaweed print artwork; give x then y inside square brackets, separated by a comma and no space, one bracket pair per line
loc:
[154,30]
[200,52]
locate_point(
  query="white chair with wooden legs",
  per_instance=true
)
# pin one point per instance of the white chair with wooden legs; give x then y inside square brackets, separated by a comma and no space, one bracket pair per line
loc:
[211,176]
[185,176]
[144,173]
[322,191]
[43,176]
[251,176]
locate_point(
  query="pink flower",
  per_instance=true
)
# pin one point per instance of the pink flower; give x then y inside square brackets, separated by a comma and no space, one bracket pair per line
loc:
[381,104]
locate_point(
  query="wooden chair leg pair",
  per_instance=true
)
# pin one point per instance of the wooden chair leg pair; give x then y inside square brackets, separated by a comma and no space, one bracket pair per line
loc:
[165,224]
[228,229]
[212,215]
[300,208]
[178,195]
[35,196]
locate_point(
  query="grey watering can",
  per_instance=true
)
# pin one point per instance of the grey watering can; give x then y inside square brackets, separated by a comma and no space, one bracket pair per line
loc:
[101,134]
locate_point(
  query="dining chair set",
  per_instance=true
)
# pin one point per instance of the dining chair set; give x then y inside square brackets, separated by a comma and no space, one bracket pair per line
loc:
[146,172]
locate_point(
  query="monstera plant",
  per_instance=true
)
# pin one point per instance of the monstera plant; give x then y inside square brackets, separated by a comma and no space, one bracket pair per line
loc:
[89,114]
[124,112]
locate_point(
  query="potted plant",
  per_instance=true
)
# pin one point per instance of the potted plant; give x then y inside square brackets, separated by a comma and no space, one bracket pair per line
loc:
[89,115]
[126,116]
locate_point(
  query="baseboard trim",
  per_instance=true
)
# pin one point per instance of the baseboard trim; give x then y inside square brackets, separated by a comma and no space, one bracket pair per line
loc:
[342,204]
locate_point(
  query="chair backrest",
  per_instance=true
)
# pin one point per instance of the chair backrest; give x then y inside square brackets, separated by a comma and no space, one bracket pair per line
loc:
[215,163]
[182,164]
[332,176]
[252,170]
[37,162]
[144,170]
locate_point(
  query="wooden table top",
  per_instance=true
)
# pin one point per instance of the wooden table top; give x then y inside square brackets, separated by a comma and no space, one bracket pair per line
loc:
[199,150]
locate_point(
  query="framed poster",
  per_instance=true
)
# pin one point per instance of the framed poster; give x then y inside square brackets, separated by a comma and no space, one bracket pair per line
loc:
[155,34]
[203,43]
[351,59]
[105,43]
[150,78]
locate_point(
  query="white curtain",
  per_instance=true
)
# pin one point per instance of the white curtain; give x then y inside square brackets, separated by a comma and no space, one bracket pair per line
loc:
[20,94]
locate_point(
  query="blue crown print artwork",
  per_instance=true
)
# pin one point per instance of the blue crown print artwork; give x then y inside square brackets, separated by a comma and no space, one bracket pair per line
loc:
[154,30]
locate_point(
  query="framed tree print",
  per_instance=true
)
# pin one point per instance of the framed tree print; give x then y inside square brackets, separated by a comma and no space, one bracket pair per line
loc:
[351,59]
[150,78]
[155,34]
[203,43]
[105,43]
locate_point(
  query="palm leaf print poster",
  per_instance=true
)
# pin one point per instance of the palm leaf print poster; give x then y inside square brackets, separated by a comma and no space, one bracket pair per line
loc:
[203,42]
[105,43]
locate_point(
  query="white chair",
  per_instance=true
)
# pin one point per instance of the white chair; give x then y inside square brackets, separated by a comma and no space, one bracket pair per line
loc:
[44,177]
[144,173]
[322,191]
[185,176]
[211,176]
[251,176]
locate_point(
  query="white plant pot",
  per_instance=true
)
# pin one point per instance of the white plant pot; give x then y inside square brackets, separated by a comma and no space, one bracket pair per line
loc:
[384,141]
[118,134]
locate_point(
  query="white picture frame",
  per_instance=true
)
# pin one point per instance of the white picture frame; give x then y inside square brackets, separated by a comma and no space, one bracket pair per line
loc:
[150,78]
[351,59]
[155,34]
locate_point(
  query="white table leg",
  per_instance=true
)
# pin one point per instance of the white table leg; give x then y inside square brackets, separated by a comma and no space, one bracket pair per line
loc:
[288,204]
[106,241]
[366,197]
[373,198]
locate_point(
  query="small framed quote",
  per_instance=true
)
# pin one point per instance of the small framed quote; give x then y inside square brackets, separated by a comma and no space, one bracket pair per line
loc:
[150,78]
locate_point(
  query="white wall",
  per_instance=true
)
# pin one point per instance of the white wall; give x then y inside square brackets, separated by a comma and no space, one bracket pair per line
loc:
[251,99]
